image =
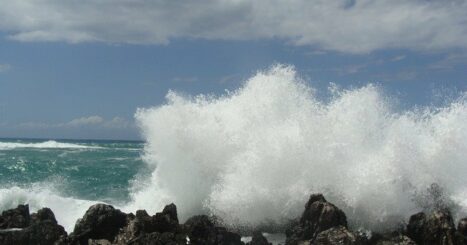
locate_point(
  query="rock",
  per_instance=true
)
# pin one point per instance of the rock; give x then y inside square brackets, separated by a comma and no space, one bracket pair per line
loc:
[201,230]
[43,215]
[461,234]
[43,230]
[437,228]
[15,218]
[100,221]
[336,235]
[156,238]
[391,239]
[99,242]
[171,212]
[258,239]
[142,227]
[167,220]
[319,215]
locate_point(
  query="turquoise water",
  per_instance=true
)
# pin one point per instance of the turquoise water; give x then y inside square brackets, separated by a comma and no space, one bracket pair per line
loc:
[82,169]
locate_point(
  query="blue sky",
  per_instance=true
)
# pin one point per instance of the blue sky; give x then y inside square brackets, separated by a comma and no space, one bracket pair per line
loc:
[80,69]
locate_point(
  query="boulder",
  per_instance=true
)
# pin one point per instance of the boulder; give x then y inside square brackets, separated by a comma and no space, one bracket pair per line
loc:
[201,230]
[461,234]
[100,221]
[15,218]
[319,215]
[42,229]
[395,238]
[436,228]
[43,215]
[336,235]
[142,227]
[258,239]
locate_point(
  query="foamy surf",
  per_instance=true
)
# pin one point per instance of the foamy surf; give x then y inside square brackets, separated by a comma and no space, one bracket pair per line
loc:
[50,144]
[66,209]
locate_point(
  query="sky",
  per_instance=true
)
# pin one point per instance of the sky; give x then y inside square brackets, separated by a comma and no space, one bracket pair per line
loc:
[79,69]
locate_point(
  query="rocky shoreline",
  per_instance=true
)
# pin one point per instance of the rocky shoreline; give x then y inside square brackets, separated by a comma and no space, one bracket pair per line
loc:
[321,223]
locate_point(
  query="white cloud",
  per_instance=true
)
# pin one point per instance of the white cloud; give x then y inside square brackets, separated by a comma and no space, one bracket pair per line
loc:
[83,121]
[89,121]
[356,26]
[4,67]
[398,58]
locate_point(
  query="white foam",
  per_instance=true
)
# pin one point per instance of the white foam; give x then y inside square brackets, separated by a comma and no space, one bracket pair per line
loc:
[67,210]
[255,154]
[50,144]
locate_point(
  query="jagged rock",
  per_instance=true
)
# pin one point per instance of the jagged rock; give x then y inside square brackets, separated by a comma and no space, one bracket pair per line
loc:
[391,239]
[462,226]
[319,215]
[171,212]
[99,242]
[100,221]
[43,230]
[336,235]
[43,215]
[156,238]
[15,218]
[258,239]
[437,228]
[142,227]
[202,231]
[461,234]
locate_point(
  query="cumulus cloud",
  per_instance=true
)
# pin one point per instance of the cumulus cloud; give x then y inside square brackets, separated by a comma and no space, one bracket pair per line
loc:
[88,121]
[82,121]
[354,26]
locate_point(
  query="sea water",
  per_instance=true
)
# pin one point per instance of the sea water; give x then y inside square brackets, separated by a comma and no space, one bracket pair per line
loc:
[253,156]
[67,175]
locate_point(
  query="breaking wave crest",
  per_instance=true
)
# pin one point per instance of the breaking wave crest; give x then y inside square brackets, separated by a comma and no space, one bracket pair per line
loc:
[255,154]
[66,209]
[50,144]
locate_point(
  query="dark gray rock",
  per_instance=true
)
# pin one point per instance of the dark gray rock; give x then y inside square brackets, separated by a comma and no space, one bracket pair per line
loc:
[42,230]
[43,215]
[258,239]
[141,228]
[461,234]
[395,238]
[319,215]
[436,228]
[202,231]
[15,218]
[100,221]
[336,235]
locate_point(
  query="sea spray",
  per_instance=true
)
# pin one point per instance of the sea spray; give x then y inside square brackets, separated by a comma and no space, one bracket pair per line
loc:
[253,156]
[66,209]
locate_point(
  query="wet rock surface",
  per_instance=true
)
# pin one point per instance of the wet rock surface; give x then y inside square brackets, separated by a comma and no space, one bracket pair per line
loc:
[100,221]
[15,218]
[258,239]
[39,228]
[435,228]
[319,215]
[321,223]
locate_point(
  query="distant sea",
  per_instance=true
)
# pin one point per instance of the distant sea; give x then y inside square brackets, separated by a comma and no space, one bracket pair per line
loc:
[34,170]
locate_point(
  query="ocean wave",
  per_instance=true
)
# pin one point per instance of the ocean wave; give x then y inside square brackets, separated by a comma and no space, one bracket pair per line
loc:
[50,144]
[255,154]
[66,209]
